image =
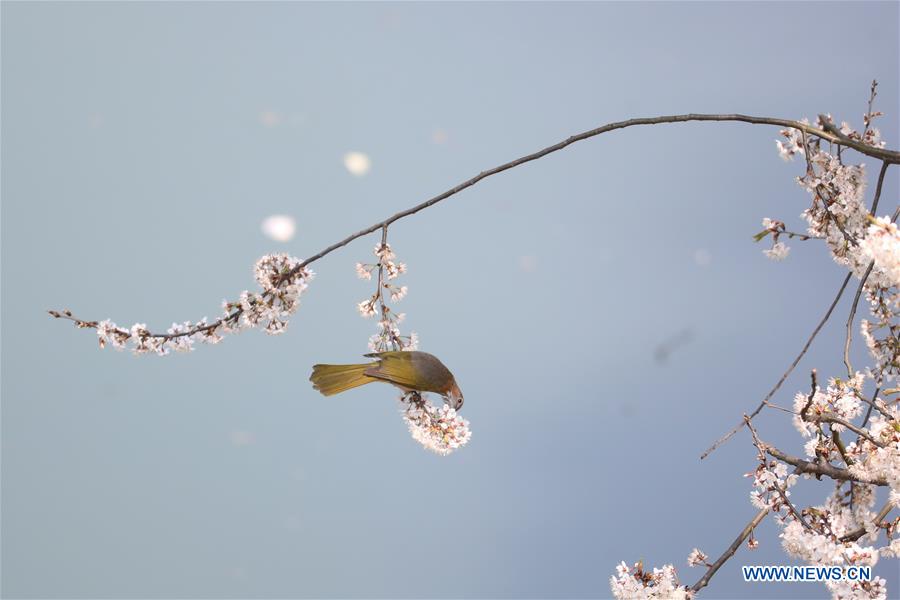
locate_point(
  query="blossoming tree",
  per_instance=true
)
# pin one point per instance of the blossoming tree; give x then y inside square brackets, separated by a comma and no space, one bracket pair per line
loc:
[850,424]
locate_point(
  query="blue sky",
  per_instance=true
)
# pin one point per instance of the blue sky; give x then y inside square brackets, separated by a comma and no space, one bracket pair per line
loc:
[143,144]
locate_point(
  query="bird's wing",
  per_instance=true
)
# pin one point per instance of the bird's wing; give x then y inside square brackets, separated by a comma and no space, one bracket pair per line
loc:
[396,369]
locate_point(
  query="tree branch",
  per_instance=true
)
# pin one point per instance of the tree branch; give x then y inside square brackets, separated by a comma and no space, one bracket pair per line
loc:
[858,533]
[729,552]
[790,369]
[888,156]
[823,468]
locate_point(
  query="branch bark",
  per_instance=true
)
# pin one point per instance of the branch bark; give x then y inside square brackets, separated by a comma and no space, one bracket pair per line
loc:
[822,468]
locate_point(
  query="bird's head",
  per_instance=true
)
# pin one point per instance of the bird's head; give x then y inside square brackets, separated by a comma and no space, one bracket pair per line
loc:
[454,397]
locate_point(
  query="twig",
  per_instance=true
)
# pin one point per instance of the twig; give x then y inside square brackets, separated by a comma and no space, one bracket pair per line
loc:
[878,184]
[888,156]
[729,552]
[836,437]
[868,120]
[381,285]
[790,369]
[814,386]
[849,337]
[803,236]
[830,418]
[873,403]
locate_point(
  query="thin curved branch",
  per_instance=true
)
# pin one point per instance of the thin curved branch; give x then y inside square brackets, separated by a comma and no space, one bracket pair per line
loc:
[729,552]
[888,156]
[790,369]
[848,338]
[862,283]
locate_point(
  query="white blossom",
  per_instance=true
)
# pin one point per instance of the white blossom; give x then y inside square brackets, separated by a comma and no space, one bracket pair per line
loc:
[778,251]
[882,245]
[366,308]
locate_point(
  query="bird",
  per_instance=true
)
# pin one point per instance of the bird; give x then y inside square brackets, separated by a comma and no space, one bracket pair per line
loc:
[410,370]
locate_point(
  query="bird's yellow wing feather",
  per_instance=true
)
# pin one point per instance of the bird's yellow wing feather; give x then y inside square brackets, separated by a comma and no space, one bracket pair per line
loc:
[396,368]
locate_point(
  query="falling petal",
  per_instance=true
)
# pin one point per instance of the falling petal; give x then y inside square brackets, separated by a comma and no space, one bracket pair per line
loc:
[357,163]
[280,228]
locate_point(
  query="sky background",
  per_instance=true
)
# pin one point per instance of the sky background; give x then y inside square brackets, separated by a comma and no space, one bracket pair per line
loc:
[144,144]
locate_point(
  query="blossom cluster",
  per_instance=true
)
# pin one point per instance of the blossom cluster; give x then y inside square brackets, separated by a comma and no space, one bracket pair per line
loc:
[439,429]
[882,333]
[868,247]
[881,460]
[841,398]
[882,245]
[841,531]
[388,269]
[838,213]
[770,486]
[282,281]
[821,539]
[635,583]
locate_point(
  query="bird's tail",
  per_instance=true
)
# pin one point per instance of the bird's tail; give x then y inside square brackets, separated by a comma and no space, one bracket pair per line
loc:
[334,379]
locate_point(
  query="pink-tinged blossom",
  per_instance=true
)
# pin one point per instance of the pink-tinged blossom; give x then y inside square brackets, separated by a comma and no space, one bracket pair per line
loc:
[364,271]
[384,252]
[109,332]
[398,293]
[394,270]
[697,557]
[366,308]
[793,144]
